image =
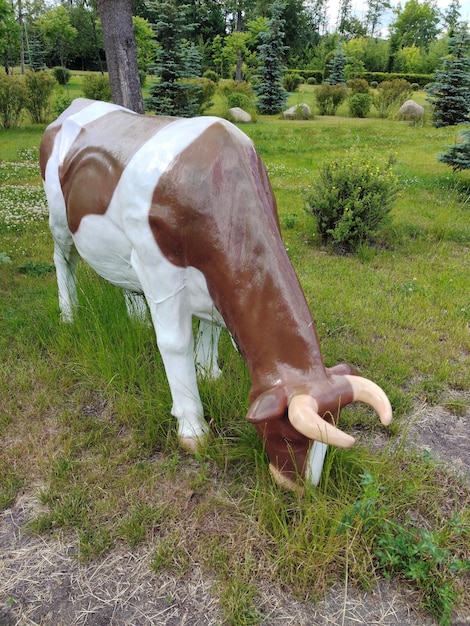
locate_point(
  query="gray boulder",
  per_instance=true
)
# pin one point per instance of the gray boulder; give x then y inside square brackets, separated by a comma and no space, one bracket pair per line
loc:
[410,111]
[298,112]
[239,115]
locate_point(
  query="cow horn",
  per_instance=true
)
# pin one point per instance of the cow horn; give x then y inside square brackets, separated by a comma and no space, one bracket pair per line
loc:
[365,390]
[304,417]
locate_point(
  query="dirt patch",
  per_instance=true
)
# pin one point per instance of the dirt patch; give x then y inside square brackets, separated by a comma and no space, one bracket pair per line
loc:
[43,583]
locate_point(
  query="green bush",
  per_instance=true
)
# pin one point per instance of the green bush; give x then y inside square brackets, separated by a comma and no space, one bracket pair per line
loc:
[231,86]
[391,94]
[351,199]
[239,100]
[291,81]
[211,75]
[358,85]
[13,97]
[374,84]
[96,87]
[61,103]
[360,104]
[62,74]
[39,88]
[204,90]
[329,97]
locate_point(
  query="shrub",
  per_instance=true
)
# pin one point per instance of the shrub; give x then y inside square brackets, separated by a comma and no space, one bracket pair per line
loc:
[351,199]
[374,84]
[204,90]
[358,85]
[211,75]
[291,81]
[96,87]
[360,104]
[60,104]
[415,86]
[39,88]
[232,86]
[12,99]
[61,74]
[239,100]
[312,81]
[329,97]
[391,94]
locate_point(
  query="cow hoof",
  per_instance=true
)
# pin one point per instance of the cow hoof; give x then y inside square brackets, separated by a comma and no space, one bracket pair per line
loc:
[285,482]
[192,445]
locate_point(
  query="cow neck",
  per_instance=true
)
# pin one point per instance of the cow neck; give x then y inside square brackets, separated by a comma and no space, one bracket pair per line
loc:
[214,210]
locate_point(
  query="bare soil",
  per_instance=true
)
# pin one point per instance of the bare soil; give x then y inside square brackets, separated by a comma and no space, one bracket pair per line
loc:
[43,583]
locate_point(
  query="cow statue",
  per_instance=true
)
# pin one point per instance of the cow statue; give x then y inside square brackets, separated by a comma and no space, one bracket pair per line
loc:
[182,211]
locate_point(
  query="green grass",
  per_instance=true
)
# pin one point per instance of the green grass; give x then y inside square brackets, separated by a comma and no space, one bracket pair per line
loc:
[85,414]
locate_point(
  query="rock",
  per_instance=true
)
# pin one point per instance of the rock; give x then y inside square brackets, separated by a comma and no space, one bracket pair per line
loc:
[410,111]
[239,115]
[298,112]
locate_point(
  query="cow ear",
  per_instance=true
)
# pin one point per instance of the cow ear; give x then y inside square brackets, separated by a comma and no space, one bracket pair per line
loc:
[271,404]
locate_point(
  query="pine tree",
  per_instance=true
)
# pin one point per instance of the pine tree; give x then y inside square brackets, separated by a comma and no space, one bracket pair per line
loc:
[271,94]
[449,93]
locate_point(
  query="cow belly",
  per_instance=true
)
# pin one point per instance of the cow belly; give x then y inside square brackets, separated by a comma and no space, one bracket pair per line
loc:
[105,247]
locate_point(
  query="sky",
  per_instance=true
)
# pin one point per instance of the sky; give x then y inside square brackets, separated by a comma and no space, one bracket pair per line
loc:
[360,6]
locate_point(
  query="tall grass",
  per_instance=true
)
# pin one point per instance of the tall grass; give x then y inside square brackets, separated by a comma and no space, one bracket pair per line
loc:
[85,408]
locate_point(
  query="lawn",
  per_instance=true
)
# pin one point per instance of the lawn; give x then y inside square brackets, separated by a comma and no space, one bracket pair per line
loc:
[85,423]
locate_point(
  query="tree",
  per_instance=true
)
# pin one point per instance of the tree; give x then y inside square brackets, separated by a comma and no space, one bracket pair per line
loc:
[87,50]
[271,94]
[415,24]
[172,95]
[146,43]
[449,93]
[335,67]
[121,53]
[57,32]
[9,34]
[375,11]
[451,15]
[458,155]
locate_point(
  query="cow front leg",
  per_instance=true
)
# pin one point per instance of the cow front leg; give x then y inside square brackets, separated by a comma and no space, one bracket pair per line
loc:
[65,260]
[175,340]
[165,289]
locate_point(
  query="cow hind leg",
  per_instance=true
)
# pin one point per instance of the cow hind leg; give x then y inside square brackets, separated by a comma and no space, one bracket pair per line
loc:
[65,260]
[136,307]
[207,350]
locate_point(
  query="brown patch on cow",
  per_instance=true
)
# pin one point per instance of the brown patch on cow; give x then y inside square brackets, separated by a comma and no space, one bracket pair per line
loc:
[47,143]
[94,164]
[214,210]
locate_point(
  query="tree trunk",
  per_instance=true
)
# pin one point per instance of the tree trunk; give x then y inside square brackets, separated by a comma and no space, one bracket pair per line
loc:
[121,53]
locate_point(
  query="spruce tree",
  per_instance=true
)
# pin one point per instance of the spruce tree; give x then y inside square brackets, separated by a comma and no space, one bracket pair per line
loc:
[172,95]
[335,68]
[271,94]
[449,93]
[458,155]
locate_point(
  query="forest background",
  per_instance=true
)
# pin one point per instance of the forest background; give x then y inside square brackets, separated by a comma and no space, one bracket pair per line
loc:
[223,35]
